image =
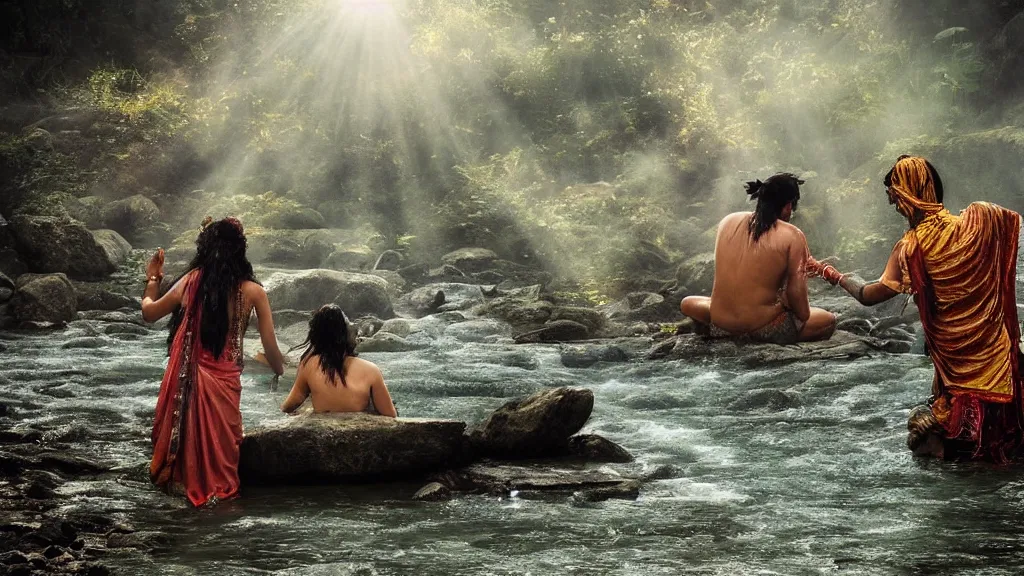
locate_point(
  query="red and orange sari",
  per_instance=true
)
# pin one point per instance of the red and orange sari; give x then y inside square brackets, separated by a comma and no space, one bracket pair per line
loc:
[197,431]
[962,272]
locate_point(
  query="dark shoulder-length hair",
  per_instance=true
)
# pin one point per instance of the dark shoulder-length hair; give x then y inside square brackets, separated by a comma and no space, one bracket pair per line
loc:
[331,339]
[222,264]
[772,195]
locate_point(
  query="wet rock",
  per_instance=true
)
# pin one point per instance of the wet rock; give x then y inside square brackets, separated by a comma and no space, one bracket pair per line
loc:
[53,531]
[397,326]
[536,426]
[144,540]
[503,478]
[12,464]
[433,492]
[643,307]
[470,259]
[587,355]
[13,558]
[842,346]
[294,218]
[509,275]
[6,282]
[626,490]
[19,435]
[387,342]
[445,273]
[5,294]
[556,331]
[523,313]
[357,294]
[123,328]
[859,326]
[481,330]
[50,244]
[113,316]
[590,318]
[98,297]
[349,447]
[594,448]
[769,399]
[38,491]
[44,298]
[114,245]
[443,297]
[131,215]
[662,472]
[697,275]
[349,259]
[85,342]
[517,359]
[389,260]
[68,464]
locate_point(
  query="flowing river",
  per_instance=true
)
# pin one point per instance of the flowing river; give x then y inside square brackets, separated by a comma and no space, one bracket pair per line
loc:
[813,480]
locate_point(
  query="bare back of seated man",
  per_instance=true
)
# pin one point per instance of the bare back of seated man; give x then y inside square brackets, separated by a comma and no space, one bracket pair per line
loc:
[760,287]
[331,374]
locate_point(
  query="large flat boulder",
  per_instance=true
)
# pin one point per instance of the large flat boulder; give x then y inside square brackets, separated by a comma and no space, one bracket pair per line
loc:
[842,346]
[44,298]
[356,294]
[349,447]
[50,244]
[533,427]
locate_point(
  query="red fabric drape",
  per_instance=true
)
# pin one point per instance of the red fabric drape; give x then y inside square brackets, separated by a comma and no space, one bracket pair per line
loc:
[197,430]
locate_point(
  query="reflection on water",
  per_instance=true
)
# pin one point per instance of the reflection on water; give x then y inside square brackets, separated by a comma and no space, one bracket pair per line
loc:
[815,481]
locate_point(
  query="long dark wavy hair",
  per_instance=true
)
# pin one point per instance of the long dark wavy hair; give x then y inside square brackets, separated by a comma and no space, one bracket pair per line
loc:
[220,255]
[330,337]
[772,195]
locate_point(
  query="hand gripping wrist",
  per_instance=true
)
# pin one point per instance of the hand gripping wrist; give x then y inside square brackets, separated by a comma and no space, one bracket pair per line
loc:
[831,275]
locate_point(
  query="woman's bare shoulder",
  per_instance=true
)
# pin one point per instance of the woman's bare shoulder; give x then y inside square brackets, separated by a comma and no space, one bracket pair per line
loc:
[362,365]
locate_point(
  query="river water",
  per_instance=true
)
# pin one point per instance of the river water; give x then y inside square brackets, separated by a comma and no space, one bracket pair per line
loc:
[820,484]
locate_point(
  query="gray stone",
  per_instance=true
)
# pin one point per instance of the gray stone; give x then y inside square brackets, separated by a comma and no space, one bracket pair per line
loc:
[480,330]
[643,307]
[92,296]
[535,426]
[387,342]
[594,448]
[349,259]
[625,490]
[397,326]
[470,259]
[357,294]
[349,447]
[433,492]
[50,244]
[842,346]
[114,245]
[130,216]
[294,218]
[5,294]
[44,298]
[504,478]
[589,317]
[557,331]
[441,297]
[389,260]
[587,355]
[696,276]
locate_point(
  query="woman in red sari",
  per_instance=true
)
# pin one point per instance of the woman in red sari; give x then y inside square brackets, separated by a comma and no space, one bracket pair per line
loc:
[198,425]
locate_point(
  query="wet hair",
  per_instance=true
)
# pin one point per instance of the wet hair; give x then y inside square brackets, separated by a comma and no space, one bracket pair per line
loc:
[772,195]
[330,337]
[936,181]
[220,255]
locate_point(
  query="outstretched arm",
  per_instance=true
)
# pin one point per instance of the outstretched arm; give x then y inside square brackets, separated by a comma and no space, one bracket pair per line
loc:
[300,390]
[868,293]
[265,319]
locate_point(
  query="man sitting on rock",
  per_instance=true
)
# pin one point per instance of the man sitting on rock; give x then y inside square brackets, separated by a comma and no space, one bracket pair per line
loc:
[760,287]
[962,272]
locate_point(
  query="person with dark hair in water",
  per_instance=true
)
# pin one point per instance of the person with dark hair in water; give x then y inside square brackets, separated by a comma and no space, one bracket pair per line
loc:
[332,374]
[760,286]
[962,272]
[197,429]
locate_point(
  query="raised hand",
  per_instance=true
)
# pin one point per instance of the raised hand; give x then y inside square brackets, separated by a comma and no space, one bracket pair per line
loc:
[155,268]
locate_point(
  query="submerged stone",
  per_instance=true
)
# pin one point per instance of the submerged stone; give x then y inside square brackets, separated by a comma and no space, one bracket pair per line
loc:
[536,426]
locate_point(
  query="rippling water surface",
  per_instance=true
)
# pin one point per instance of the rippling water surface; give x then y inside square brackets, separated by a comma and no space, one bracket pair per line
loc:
[817,483]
